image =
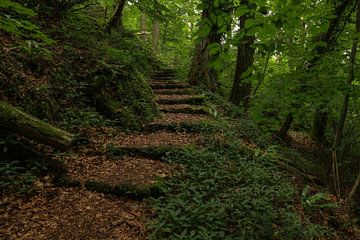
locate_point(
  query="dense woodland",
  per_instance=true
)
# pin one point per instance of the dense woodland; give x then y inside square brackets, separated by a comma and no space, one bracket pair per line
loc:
[174,119]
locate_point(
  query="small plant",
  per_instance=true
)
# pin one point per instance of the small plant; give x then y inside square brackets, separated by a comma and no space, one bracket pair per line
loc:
[15,179]
[312,202]
[226,195]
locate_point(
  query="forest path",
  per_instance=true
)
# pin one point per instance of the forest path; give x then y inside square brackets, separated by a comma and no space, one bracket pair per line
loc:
[102,196]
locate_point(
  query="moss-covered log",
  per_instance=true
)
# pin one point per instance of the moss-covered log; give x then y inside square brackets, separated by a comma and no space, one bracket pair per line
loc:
[16,121]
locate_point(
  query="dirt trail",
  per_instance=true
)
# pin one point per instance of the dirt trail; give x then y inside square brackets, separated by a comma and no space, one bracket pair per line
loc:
[78,213]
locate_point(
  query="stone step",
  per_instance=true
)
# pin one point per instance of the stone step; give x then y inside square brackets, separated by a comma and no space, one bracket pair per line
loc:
[175,91]
[193,100]
[189,110]
[168,86]
[121,190]
[152,139]
[155,153]
[188,127]
[181,118]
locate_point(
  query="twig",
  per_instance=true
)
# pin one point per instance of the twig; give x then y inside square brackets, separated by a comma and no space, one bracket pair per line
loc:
[264,72]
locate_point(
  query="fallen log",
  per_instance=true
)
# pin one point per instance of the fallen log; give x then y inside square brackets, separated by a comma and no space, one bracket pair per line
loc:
[14,120]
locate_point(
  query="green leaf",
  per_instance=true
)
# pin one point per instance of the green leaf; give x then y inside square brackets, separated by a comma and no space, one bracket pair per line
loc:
[241,11]
[247,73]
[17,7]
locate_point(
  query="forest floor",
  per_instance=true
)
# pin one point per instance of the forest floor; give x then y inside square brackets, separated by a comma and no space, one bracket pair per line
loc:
[210,187]
[65,212]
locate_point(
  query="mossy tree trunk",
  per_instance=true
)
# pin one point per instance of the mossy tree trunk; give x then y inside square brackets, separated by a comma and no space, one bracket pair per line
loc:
[241,89]
[201,74]
[16,121]
[143,27]
[155,36]
[116,19]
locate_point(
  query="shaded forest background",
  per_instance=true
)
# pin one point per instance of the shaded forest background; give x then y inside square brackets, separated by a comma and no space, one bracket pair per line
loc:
[288,69]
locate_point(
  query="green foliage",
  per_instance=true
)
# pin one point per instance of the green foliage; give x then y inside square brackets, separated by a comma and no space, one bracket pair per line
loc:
[19,26]
[85,117]
[316,201]
[224,194]
[15,178]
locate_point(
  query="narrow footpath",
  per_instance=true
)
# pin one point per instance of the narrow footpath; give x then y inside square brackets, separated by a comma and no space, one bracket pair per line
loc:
[103,192]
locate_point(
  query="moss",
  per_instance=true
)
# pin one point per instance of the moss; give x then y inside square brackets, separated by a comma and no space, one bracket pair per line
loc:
[123,97]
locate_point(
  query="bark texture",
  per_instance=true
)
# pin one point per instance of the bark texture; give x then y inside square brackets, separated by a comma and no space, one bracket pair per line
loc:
[241,89]
[116,19]
[201,74]
[143,27]
[14,120]
[156,36]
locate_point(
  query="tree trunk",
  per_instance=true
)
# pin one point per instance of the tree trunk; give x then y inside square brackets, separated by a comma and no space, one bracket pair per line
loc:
[330,38]
[155,36]
[241,89]
[199,69]
[143,26]
[285,127]
[321,117]
[320,125]
[13,119]
[116,19]
[201,74]
[344,111]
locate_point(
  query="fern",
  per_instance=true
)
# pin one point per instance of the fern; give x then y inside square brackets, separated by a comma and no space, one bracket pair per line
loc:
[19,26]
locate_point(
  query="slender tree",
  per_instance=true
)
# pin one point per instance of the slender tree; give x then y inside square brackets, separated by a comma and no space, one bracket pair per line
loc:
[241,89]
[155,36]
[329,38]
[201,74]
[116,19]
[143,26]
[341,124]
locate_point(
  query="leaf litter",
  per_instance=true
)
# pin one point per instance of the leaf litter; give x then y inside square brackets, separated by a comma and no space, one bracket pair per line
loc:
[68,213]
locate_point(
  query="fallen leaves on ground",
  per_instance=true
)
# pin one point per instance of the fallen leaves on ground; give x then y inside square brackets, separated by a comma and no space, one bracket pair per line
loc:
[181,117]
[173,96]
[146,139]
[180,106]
[59,213]
[140,171]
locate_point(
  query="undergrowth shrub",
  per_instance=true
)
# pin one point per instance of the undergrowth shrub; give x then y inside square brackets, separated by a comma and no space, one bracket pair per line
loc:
[226,194]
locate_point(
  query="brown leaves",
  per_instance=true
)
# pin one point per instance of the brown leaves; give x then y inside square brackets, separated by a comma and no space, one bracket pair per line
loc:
[181,117]
[58,213]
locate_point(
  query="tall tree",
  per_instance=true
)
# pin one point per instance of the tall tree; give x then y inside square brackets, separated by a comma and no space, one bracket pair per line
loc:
[241,89]
[341,124]
[155,36]
[201,73]
[329,38]
[116,19]
[143,26]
